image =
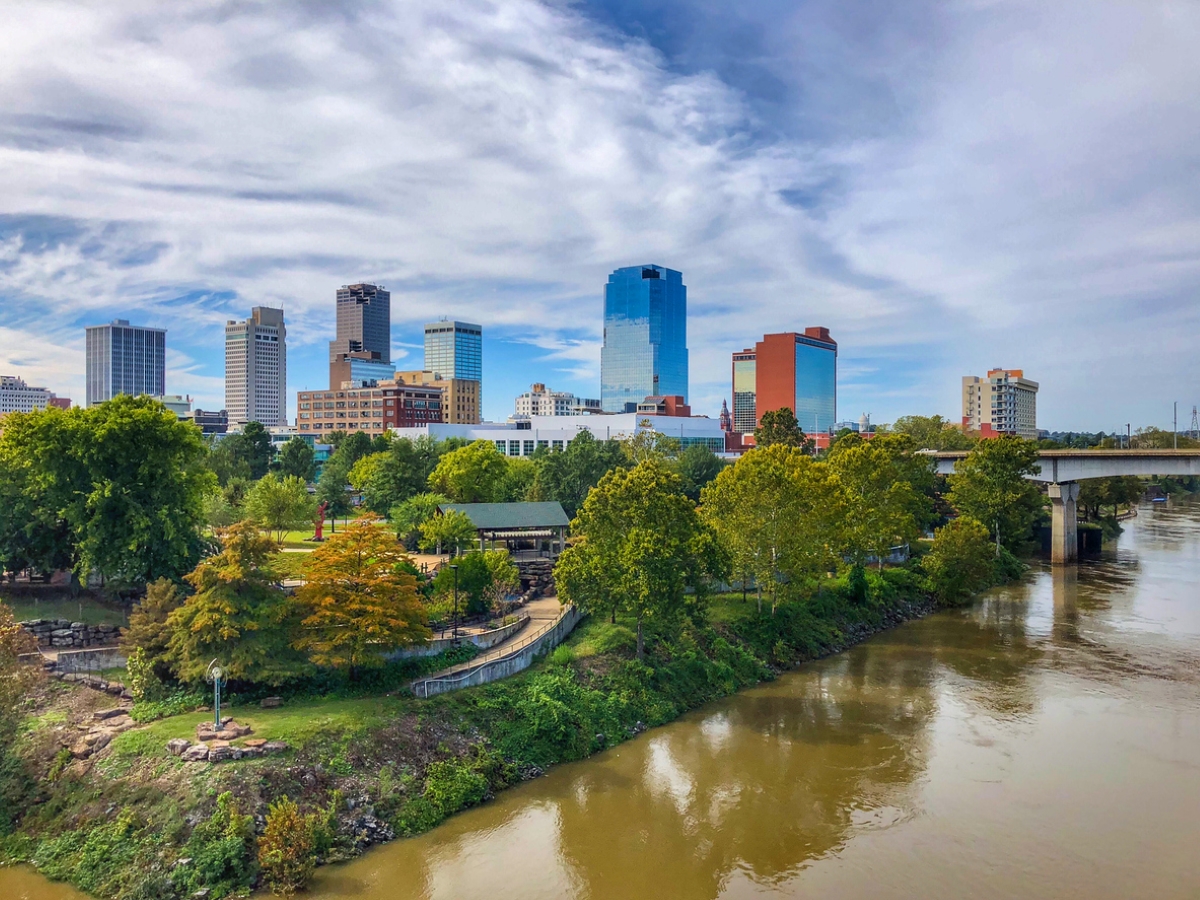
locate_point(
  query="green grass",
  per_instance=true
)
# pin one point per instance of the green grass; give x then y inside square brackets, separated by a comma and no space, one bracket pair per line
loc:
[85,610]
[297,722]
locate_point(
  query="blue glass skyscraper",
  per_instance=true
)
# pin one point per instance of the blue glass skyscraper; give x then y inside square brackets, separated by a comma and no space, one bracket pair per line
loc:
[645,337]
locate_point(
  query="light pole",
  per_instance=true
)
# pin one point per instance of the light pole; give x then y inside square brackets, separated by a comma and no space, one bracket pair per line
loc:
[454,630]
[215,675]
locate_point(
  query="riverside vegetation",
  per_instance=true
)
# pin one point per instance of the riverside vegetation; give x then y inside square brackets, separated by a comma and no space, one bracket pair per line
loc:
[779,562]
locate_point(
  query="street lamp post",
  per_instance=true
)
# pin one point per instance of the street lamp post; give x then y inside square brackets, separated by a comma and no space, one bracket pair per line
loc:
[455,626]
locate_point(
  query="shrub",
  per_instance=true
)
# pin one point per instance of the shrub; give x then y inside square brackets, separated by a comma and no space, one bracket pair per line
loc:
[286,848]
[222,852]
[961,562]
[562,656]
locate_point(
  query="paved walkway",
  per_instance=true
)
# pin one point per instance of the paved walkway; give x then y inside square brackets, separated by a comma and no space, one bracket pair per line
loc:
[541,612]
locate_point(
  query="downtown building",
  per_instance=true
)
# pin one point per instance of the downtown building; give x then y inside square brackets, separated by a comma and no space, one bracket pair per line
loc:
[17,396]
[461,401]
[125,359]
[1002,402]
[796,370]
[539,401]
[454,359]
[256,368]
[645,337]
[367,406]
[362,350]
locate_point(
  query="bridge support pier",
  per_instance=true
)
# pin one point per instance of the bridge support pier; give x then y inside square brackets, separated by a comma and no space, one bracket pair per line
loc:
[1064,523]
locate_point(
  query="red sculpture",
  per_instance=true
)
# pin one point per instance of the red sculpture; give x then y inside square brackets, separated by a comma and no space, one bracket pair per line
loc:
[321,520]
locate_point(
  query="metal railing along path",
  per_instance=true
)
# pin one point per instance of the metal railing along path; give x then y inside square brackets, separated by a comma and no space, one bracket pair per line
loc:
[461,678]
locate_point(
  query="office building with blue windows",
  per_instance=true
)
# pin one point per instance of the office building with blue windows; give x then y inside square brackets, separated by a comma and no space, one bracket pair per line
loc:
[645,337]
[793,370]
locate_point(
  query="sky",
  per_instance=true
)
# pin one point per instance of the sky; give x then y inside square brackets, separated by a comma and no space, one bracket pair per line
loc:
[948,187]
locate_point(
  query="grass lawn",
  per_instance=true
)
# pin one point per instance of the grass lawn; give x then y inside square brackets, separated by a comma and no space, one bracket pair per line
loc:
[296,722]
[84,610]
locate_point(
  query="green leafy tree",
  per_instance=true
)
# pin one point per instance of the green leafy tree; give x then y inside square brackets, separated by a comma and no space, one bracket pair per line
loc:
[280,503]
[222,851]
[331,489]
[225,459]
[568,475]
[780,426]
[17,681]
[991,485]
[698,466]
[779,514]
[360,602]
[297,458]
[471,474]
[255,447]
[408,516]
[1097,493]
[398,472]
[286,850]
[451,531]
[961,562]
[149,628]
[934,433]
[639,546]
[646,443]
[218,511]
[485,579]
[883,506]
[517,484]
[236,616]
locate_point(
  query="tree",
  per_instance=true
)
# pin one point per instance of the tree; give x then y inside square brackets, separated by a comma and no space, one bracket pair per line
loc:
[452,530]
[780,426]
[17,680]
[225,458]
[149,626]
[470,474]
[698,466]
[568,475]
[286,850]
[359,601]
[779,513]
[517,483]
[934,433]
[408,517]
[255,447]
[991,486]
[504,582]
[280,503]
[883,506]
[645,443]
[1096,493]
[485,579]
[331,489]
[296,458]
[218,512]
[236,616]
[639,546]
[961,562]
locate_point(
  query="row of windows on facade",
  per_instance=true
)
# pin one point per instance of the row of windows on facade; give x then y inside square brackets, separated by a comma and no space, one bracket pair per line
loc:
[355,404]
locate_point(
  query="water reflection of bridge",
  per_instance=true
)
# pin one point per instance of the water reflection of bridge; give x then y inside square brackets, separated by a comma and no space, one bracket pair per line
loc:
[1062,470]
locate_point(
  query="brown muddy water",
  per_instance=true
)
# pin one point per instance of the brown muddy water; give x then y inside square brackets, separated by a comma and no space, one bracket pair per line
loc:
[1043,743]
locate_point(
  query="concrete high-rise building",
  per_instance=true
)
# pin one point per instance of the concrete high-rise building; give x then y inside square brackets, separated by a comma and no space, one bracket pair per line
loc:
[796,370]
[17,396]
[538,401]
[256,368]
[645,337]
[362,350]
[461,397]
[1003,402]
[125,359]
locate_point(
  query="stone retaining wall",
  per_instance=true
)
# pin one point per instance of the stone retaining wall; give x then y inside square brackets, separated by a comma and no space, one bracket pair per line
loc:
[484,641]
[66,634]
[90,660]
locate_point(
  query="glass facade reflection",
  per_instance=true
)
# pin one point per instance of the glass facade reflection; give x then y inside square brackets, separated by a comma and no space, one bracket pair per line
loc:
[645,337]
[745,392]
[454,350]
[816,385]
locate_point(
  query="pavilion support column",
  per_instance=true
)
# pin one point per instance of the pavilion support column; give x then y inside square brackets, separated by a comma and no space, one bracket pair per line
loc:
[1064,523]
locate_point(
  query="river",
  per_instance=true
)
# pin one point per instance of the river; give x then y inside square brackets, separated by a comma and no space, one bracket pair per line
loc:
[1044,742]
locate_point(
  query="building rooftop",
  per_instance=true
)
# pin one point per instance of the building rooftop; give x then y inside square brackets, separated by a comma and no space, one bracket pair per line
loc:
[511,515]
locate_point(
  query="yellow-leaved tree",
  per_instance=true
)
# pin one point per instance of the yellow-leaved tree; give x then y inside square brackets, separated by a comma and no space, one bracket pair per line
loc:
[360,599]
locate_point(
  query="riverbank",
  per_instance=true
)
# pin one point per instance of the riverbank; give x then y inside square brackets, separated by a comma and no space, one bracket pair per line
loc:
[133,821]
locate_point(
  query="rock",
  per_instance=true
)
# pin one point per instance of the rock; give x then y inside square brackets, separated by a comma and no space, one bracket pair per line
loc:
[272,703]
[236,752]
[101,714]
[275,746]
[183,861]
[81,750]
[255,742]
[197,753]
[102,740]
[115,688]
[219,753]
[176,746]
[252,752]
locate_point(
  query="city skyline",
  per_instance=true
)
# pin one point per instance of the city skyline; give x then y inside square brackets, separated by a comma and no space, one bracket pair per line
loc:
[935,201]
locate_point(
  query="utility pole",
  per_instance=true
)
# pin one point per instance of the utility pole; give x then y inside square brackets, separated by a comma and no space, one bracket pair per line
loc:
[1128,436]
[1175,425]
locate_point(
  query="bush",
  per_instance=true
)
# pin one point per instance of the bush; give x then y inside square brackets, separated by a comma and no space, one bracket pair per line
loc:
[286,849]
[450,785]
[107,860]
[962,562]
[222,852]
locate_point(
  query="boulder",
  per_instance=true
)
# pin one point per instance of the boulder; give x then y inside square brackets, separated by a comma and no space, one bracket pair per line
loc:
[197,753]
[252,752]
[272,703]
[101,714]
[219,751]
[255,742]
[176,746]
[274,747]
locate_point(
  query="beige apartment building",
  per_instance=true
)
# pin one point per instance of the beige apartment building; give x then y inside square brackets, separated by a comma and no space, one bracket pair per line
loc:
[461,397]
[1002,402]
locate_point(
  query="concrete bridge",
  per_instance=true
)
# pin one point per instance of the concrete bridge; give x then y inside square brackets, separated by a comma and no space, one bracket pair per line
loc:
[1062,470]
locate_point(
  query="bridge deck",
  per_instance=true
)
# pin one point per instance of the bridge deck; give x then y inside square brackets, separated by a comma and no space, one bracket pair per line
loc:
[1059,466]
